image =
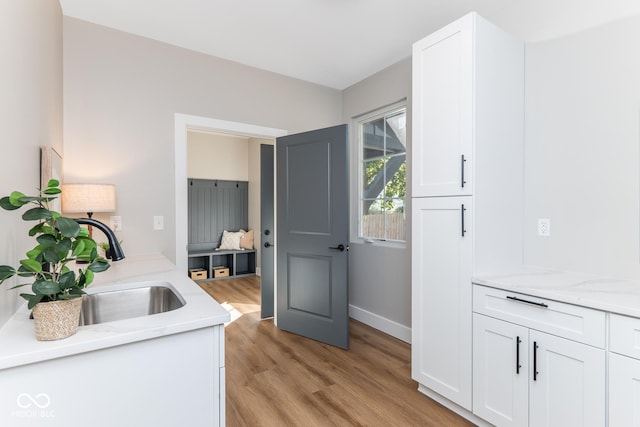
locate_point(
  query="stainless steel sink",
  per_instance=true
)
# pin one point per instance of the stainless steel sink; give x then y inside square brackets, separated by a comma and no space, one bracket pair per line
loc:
[109,306]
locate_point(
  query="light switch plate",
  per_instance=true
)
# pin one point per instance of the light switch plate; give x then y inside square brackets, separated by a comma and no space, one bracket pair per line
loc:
[116,223]
[544,227]
[158,222]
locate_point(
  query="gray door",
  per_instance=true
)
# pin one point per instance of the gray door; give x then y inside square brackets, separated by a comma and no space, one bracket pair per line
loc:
[313,234]
[267,238]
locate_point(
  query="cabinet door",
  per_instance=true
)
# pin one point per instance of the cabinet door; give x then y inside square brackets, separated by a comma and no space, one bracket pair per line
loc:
[624,391]
[500,371]
[567,386]
[442,111]
[441,301]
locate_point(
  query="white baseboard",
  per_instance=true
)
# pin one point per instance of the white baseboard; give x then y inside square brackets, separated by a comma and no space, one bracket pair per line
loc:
[258,271]
[383,324]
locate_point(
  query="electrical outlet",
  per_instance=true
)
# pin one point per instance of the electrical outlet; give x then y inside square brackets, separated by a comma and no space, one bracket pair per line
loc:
[116,223]
[544,227]
[158,223]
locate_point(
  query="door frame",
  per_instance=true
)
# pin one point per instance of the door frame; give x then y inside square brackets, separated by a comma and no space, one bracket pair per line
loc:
[183,124]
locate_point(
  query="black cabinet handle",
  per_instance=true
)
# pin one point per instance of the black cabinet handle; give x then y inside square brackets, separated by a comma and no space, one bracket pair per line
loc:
[539,304]
[535,361]
[462,161]
[518,366]
[268,245]
[340,247]
[462,230]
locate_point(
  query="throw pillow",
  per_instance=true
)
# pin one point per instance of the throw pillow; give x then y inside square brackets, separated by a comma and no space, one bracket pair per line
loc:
[230,240]
[246,242]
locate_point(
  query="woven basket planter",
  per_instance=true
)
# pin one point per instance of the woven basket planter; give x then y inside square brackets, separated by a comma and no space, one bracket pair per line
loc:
[55,320]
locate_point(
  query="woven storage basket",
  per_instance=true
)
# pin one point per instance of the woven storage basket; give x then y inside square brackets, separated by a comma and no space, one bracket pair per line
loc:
[55,320]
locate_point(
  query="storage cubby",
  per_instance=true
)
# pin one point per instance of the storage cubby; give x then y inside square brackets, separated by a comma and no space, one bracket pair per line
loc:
[239,263]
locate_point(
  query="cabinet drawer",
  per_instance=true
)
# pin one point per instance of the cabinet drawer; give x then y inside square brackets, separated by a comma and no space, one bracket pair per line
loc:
[625,335]
[576,323]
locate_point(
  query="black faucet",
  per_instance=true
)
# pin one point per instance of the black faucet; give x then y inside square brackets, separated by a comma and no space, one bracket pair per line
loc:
[115,252]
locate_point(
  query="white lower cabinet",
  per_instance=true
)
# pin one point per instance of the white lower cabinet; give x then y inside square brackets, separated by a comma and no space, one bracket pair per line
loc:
[500,371]
[441,280]
[624,372]
[526,377]
[567,386]
[624,391]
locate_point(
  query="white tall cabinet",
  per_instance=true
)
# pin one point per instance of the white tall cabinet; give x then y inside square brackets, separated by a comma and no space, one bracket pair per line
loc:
[467,171]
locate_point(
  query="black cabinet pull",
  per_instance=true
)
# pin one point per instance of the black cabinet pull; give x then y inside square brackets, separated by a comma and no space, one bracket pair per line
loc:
[535,361]
[539,304]
[340,247]
[462,230]
[462,161]
[518,341]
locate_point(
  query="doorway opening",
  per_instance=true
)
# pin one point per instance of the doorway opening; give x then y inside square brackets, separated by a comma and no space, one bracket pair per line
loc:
[183,125]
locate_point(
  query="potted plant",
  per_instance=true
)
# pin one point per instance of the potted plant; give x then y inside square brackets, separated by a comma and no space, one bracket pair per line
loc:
[57,280]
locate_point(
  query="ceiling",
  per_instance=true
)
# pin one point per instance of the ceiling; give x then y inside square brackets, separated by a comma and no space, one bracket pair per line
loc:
[334,43]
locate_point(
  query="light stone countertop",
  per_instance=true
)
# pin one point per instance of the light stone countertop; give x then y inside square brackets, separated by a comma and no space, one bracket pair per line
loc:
[613,295]
[18,344]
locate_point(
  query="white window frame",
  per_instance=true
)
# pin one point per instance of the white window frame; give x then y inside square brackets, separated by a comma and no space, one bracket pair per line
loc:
[357,174]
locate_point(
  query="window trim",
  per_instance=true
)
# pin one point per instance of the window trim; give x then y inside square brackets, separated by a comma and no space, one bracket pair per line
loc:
[357,173]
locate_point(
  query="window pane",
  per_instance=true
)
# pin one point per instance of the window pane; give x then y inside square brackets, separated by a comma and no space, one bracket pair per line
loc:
[373,178]
[373,139]
[373,219]
[396,133]
[383,174]
[396,177]
[395,220]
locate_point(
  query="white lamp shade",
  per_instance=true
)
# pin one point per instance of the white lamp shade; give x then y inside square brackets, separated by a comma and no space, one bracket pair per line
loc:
[85,198]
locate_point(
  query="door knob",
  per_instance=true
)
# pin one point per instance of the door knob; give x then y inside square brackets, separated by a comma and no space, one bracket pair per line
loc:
[340,247]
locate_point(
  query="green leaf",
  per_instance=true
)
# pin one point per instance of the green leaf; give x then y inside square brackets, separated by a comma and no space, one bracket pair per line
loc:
[78,247]
[37,214]
[63,247]
[31,265]
[24,272]
[89,276]
[34,253]
[77,291]
[33,299]
[36,229]
[99,265]
[46,287]
[51,191]
[51,256]
[47,240]
[68,227]
[6,272]
[5,203]
[67,280]
[16,198]
[69,296]
[20,285]
[53,183]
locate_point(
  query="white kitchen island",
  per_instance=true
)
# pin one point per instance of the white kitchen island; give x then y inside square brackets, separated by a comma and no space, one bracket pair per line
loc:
[165,369]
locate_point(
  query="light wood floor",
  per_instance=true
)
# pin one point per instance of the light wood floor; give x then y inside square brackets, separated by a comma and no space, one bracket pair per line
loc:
[275,378]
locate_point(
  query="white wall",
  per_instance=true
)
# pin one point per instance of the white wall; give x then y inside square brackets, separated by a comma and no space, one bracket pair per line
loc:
[214,156]
[582,121]
[121,93]
[30,115]
[379,276]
